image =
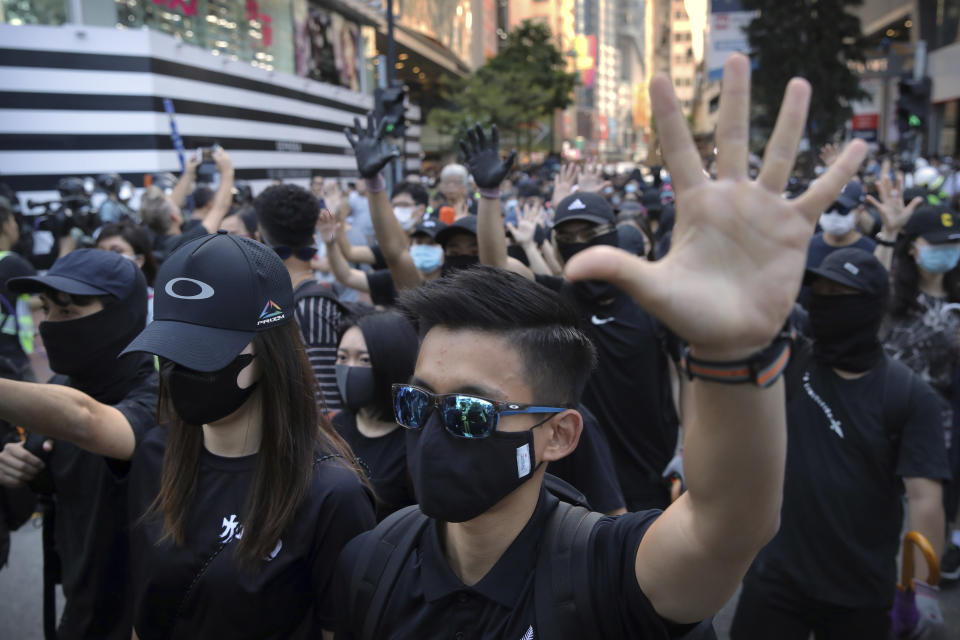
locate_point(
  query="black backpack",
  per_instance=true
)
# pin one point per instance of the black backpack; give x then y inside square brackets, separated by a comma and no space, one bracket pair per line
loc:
[562,597]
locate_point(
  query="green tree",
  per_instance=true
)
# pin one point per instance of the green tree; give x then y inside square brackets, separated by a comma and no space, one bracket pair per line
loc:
[526,81]
[814,39]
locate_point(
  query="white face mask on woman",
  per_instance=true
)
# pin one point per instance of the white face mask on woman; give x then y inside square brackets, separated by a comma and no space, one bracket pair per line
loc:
[838,224]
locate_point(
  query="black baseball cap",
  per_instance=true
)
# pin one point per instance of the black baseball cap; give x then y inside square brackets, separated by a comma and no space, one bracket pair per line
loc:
[466,224]
[851,196]
[84,272]
[590,207]
[212,296]
[854,268]
[936,224]
[429,227]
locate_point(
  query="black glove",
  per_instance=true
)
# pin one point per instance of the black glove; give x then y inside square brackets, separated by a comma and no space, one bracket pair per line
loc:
[372,152]
[483,157]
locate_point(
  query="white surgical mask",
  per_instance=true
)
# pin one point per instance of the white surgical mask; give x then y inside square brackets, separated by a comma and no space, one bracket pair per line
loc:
[837,224]
[404,217]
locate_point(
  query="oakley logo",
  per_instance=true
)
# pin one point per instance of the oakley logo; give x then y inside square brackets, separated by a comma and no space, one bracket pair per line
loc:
[851,268]
[206,291]
[600,321]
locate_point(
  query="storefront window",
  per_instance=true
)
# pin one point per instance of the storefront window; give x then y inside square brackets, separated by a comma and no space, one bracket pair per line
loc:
[329,47]
[17,12]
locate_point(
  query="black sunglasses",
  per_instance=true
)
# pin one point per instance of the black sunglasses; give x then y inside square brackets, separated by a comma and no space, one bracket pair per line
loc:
[303,253]
[462,415]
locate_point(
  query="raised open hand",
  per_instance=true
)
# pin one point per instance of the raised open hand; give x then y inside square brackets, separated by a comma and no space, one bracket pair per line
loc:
[327,225]
[482,157]
[565,181]
[527,220]
[829,153]
[372,151]
[591,178]
[739,249]
[893,212]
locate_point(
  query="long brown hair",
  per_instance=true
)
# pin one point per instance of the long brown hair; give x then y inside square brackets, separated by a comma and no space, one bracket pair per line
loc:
[294,432]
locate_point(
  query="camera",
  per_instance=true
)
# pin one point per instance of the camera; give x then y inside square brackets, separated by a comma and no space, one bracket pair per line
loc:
[207,170]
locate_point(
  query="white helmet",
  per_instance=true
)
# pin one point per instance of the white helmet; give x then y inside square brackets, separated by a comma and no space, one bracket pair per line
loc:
[925,176]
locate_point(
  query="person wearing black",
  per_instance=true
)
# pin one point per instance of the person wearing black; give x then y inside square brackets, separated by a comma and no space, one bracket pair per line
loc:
[629,391]
[502,362]
[377,350]
[288,216]
[95,302]
[839,227]
[862,430]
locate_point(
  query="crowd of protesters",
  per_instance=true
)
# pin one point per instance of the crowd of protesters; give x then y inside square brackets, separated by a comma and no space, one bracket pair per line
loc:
[549,403]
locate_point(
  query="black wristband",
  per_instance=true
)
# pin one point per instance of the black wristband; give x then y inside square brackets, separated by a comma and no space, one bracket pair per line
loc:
[761,369]
[885,243]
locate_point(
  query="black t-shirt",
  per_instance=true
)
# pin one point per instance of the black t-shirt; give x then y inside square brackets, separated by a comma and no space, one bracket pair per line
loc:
[91,522]
[590,467]
[629,392]
[192,230]
[430,601]
[11,266]
[819,249]
[288,595]
[842,511]
[382,290]
[386,460]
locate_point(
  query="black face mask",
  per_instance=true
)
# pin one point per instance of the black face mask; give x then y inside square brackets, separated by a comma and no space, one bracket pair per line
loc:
[201,398]
[86,349]
[845,330]
[356,385]
[456,479]
[591,291]
[455,263]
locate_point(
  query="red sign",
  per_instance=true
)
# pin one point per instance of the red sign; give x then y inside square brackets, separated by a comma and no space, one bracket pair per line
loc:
[866,121]
[188,7]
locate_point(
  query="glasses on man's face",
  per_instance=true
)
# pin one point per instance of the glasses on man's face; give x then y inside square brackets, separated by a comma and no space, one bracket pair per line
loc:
[584,234]
[462,415]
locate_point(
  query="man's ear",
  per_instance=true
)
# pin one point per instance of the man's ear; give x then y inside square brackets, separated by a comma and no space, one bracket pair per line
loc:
[562,433]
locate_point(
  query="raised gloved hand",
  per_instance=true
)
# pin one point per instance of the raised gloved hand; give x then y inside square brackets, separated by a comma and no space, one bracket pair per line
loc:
[372,151]
[483,157]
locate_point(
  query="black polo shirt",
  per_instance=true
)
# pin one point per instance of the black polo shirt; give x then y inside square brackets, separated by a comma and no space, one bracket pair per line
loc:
[430,601]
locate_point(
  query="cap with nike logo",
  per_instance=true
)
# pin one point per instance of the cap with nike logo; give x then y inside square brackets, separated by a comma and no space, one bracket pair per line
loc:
[211,298]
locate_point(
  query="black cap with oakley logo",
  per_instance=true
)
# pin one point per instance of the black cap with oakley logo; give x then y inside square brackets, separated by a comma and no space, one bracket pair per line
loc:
[212,296]
[935,224]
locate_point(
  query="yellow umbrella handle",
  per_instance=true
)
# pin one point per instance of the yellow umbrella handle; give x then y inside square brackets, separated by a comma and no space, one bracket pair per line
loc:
[917,539]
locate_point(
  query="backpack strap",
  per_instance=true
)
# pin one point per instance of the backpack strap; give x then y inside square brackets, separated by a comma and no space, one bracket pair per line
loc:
[381,558]
[562,594]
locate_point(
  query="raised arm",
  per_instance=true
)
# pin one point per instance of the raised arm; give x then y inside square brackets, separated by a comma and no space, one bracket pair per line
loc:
[223,198]
[187,181]
[726,287]
[893,213]
[524,234]
[63,413]
[339,205]
[373,154]
[327,226]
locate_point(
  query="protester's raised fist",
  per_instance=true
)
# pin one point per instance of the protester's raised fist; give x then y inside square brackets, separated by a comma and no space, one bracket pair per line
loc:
[372,151]
[18,466]
[738,252]
[482,157]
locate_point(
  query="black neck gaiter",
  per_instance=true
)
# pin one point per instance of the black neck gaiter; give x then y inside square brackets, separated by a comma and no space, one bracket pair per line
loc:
[845,328]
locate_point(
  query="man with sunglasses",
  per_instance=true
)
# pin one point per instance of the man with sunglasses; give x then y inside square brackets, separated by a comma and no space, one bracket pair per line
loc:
[502,343]
[288,217]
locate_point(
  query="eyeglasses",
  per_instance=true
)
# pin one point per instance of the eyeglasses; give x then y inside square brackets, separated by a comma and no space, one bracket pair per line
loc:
[462,415]
[583,235]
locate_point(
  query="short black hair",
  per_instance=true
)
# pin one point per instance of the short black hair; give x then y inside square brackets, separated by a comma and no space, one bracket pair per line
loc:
[545,329]
[418,193]
[202,196]
[392,345]
[288,214]
[6,210]
[247,215]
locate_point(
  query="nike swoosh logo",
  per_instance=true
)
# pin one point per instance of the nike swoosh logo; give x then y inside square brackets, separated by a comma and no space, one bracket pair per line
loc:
[600,321]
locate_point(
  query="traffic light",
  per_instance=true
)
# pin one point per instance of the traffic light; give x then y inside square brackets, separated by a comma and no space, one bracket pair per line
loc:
[389,107]
[913,105]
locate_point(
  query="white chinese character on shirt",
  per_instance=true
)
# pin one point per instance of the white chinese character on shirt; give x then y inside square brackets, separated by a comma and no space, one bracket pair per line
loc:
[232,529]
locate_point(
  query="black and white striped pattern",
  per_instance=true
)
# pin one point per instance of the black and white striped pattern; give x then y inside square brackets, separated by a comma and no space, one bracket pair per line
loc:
[319,319]
[84,101]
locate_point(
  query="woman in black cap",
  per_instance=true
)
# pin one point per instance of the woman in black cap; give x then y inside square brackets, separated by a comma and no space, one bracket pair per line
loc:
[248,494]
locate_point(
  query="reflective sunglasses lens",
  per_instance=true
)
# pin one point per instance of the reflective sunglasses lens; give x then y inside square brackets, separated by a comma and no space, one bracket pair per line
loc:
[468,417]
[410,406]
